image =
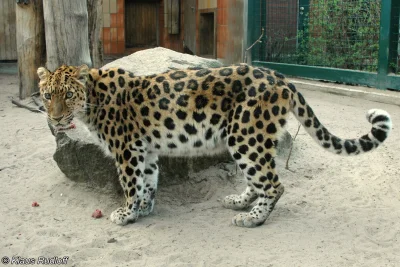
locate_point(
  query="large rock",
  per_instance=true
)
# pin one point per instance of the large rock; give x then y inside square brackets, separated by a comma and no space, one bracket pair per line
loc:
[79,157]
[158,60]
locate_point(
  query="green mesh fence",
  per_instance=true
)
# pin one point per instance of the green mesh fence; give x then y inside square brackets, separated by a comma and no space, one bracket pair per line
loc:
[394,46]
[329,33]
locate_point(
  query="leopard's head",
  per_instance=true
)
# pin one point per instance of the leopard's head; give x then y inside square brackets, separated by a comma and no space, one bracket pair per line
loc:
[63,93]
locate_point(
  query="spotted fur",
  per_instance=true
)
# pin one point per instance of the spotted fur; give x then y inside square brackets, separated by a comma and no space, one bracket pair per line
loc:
[193,112]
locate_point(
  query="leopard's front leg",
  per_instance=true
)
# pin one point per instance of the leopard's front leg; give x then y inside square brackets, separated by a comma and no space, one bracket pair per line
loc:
[131,173]
[150,184]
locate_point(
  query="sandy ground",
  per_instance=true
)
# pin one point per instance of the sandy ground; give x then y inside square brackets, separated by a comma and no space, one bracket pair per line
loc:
[335,211]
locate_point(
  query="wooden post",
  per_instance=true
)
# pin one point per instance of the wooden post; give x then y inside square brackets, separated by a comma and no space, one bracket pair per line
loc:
[172,15]
[67,38]
[31,48]
[95,13]
[8,39]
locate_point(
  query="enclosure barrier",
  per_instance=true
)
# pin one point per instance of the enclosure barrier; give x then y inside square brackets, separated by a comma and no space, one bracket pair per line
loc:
[350,41]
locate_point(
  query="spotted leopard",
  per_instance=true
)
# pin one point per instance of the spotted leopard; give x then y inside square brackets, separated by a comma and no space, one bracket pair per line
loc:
[191,112]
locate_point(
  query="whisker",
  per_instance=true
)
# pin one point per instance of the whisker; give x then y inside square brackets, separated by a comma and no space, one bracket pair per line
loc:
[42,113]
[93,105]
[81,109]
[70,117]
[88,108]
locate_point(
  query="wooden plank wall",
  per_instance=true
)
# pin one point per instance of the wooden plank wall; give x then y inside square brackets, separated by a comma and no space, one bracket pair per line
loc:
[8,40]
[141,24]
[207,34]
[172,16]
[190,24]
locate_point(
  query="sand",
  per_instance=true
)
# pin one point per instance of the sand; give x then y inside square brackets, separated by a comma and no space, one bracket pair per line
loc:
[336,211]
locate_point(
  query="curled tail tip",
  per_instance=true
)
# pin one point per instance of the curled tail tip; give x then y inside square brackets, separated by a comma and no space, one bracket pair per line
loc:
[376,116]
[376,112]
[381,124]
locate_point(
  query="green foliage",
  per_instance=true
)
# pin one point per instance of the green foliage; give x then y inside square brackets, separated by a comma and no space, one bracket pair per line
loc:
[340,34]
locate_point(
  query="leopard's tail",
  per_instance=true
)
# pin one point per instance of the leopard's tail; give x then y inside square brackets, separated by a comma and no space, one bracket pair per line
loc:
[380,120]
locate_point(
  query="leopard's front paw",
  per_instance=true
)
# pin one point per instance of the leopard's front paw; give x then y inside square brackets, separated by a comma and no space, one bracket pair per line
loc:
[123,216]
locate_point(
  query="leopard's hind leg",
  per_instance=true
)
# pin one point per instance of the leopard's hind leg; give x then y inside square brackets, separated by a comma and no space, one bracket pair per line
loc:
[242,201]
[252,144]
[265,185]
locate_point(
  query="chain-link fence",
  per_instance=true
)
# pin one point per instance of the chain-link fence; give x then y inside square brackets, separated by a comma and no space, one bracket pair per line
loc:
[339,34]
[343,40]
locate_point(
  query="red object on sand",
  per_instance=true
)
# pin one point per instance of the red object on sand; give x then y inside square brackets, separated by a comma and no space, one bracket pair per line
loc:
[35,204]
[97,214]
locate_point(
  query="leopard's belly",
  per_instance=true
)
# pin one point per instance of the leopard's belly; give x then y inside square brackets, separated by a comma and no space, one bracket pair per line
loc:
[206,141]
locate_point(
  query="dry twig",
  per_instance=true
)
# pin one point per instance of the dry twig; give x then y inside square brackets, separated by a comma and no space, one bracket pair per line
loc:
[291,147]
[250,47]
[37,94]
[19,104]
[38,102]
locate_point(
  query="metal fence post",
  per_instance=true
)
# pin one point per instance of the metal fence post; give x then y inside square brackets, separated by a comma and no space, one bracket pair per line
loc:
[303,17]
[253,32]
[384,43]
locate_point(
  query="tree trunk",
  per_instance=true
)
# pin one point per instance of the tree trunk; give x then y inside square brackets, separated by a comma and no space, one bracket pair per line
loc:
[67,38]
[31,47]
[95,12]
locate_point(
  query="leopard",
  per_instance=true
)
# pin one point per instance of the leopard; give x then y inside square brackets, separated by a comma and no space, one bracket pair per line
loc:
[241,109]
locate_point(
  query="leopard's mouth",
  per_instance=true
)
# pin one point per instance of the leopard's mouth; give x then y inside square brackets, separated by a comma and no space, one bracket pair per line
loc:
[61,125]
[62,128]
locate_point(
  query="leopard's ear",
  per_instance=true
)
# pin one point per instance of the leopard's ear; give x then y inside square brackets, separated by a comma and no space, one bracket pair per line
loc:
[82,73]
[43,73]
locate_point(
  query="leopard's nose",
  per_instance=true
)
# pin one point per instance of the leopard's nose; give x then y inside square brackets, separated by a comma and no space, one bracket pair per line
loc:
[58,118]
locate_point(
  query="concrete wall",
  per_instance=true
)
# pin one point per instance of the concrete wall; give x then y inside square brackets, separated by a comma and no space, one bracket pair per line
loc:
[206,4]
[231,27]
[113,27]
[171,41]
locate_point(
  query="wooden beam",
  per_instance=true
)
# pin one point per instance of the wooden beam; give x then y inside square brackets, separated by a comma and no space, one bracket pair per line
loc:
[67,38]
[95,24]
[31,47]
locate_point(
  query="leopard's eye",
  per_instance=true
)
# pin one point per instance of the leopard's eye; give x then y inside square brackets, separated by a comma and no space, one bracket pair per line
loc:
[47,96]
[69,94]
